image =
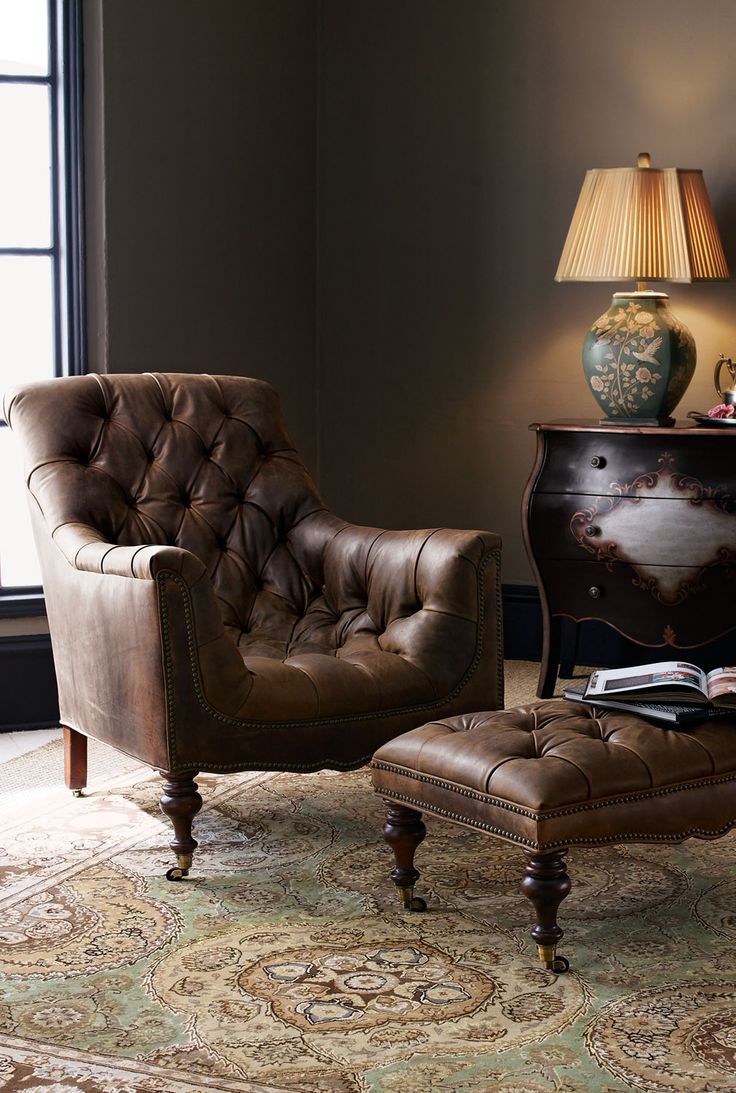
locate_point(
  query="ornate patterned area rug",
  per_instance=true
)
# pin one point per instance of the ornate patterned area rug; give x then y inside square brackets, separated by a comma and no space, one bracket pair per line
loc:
[283,964]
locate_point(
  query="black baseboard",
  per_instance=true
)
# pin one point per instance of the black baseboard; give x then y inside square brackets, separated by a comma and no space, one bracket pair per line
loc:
[522,622]
[28,695]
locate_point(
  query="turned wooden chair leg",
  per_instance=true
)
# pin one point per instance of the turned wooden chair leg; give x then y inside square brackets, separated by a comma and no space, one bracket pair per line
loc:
[181,803]
[546,884]
[75,760]
[403,831]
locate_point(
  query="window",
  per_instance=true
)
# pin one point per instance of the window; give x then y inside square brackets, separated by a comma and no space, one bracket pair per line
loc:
[41,303]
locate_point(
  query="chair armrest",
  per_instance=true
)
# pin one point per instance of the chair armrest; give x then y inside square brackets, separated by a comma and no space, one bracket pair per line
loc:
[109,607]
[432,597]
[84,549]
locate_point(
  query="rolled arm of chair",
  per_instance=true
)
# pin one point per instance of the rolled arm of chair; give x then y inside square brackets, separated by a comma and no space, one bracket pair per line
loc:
[124,606]
[83,548]
[433,598]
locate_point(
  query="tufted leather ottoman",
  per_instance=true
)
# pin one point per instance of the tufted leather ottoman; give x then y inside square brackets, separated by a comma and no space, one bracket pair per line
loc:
[549,776]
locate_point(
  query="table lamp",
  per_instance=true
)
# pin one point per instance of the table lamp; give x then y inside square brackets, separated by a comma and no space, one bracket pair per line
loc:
[644,224]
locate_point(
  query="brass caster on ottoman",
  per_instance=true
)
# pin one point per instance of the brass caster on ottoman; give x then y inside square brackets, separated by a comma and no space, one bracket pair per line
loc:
[410,902]
[181,869]
[550,959]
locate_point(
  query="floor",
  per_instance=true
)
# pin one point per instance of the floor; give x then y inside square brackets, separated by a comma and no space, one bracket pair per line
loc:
[13,744]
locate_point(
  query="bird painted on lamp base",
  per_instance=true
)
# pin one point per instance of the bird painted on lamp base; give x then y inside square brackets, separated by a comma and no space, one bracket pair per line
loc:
[647,357]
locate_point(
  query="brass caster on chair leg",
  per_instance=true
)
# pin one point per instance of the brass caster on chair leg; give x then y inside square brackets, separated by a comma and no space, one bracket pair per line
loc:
[550,959]
[181,869]
[410,902]
[76,793]
[181,803]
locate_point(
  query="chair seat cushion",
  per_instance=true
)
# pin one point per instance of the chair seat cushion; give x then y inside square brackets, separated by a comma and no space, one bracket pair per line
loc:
[314,685]
[551,774]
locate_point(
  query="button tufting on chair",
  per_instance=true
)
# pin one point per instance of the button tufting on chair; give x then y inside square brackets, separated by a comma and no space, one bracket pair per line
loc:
[168,648]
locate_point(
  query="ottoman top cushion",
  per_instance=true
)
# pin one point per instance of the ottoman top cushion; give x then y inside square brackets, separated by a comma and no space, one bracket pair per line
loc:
[549,755]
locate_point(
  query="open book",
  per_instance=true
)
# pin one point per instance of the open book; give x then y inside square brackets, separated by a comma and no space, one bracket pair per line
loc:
[675,715]
[668,681]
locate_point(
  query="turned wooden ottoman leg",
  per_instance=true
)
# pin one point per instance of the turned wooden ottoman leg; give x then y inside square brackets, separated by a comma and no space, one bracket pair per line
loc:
[181,803]
[403,831]
[75,760]
[546,884]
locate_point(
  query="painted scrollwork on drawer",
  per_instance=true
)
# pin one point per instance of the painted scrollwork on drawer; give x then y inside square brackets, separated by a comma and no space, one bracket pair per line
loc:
[666,525]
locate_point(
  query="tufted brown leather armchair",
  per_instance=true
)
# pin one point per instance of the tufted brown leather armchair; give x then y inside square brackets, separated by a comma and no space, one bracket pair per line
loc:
[208,613]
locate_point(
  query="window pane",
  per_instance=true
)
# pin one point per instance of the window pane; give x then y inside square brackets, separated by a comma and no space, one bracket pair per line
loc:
[26,320]
[18,561]
[25,179]
[24,37]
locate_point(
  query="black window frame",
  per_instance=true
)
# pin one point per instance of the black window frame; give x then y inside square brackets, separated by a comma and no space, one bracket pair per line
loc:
[65,80]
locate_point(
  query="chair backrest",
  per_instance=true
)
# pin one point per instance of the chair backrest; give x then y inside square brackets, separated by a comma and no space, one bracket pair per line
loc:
[199,462]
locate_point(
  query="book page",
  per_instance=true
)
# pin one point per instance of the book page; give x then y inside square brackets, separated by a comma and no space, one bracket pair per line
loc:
[721,681]
[665,674]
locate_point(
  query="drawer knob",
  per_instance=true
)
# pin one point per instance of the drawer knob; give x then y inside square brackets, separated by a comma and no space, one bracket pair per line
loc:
[591,529]
[598,461]
[594,592]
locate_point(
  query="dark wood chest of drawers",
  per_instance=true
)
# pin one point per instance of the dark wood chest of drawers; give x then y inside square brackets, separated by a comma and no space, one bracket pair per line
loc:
[634,527]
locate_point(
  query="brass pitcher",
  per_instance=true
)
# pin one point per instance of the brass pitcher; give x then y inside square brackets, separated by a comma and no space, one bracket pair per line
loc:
[727,395]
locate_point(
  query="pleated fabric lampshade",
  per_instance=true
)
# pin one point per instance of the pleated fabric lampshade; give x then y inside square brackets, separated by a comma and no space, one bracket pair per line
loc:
[643,224]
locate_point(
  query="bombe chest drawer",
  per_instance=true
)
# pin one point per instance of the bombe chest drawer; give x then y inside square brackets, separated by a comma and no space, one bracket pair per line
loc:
[635,527]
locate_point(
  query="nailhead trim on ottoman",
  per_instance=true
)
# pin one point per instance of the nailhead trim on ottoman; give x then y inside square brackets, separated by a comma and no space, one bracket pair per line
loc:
[552,774]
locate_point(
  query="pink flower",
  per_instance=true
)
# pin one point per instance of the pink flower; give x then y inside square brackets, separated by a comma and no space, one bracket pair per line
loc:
[643,375]
[721,411]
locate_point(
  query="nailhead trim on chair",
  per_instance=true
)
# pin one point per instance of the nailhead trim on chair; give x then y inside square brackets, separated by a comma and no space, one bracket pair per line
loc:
[169,575]
[499,802]
[467,821]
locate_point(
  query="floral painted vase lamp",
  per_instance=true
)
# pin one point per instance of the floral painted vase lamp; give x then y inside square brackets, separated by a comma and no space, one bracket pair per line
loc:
[644,224]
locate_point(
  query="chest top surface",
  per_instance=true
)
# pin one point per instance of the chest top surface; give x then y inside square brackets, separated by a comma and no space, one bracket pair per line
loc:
[585,425]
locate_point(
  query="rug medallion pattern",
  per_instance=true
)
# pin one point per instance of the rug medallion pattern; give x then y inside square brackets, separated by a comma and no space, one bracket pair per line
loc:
[283,964]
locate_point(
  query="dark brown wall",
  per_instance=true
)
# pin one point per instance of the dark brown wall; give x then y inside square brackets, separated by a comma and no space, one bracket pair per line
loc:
[453,142]
[201,150]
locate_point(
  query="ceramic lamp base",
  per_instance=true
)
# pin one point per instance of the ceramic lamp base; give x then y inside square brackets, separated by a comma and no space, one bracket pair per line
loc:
[638,358]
